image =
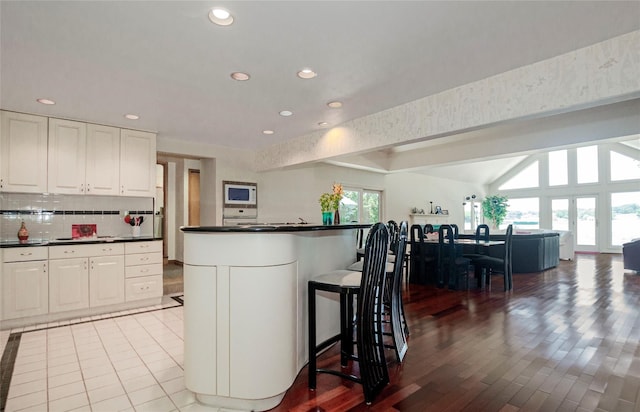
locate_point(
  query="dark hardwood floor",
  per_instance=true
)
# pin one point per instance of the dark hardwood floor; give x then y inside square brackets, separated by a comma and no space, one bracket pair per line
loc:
[566,339]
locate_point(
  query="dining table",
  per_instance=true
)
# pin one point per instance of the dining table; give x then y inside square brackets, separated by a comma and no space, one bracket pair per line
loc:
[473,246]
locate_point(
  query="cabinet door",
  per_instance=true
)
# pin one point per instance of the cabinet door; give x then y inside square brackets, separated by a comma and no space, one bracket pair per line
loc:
[103,160]
[68,284]
[137,163]
[106,280]
[67,156]
[23,153]
[24,289]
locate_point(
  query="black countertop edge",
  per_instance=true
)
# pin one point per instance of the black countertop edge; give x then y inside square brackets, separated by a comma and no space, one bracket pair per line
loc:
[16,243]
[270,228]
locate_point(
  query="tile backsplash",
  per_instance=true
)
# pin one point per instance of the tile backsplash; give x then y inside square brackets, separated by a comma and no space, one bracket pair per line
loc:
[49,216]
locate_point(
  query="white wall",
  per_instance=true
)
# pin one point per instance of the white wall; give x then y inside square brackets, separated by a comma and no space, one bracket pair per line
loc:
[404,191]
[286,195]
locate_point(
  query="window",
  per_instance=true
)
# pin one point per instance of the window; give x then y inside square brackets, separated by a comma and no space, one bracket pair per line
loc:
[528,177]
[587,164]
[359,205]
[625,217]
[558,168]
[523,213]
[624,167]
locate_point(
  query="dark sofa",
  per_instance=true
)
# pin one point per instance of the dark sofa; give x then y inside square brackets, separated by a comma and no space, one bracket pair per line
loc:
[631,255]
[530,252]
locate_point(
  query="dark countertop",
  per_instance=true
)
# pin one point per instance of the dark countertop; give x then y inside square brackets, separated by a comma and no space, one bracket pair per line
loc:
[271,228]
[68,241]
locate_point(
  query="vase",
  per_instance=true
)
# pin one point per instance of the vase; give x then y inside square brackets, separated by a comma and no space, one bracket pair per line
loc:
[23,233]
[327,218]
[336,217]
[135,232]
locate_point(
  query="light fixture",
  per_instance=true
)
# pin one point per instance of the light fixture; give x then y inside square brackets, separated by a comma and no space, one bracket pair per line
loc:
[335,104]
[286,113]
[240,76]
[268,132]
[307,74]
[132,116]
[45,101]
[323,124]
[220,16]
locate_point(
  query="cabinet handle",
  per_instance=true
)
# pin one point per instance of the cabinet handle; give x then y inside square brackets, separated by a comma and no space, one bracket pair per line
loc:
[44,267]
[69,251]
[144,270]
[26,254]
[88,188]
[107,250]
[81,188]
[144,258]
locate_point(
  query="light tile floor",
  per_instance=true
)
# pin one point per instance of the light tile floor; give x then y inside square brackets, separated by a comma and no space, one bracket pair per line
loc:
[130,362]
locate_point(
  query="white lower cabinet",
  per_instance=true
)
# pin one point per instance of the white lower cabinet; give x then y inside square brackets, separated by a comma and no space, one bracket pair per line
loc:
[143,270]
[40,280]
[106,280]
[25,289]
[68,284]
[84,276]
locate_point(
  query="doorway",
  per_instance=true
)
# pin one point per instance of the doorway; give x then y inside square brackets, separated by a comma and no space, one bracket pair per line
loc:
[194,197]
[577,214]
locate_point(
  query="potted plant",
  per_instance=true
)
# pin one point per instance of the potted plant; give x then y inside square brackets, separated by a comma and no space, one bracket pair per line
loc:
[494,208]
[329,203]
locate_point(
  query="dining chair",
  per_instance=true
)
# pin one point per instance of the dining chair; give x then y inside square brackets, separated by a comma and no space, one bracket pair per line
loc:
[453,268]
[456,231]
[428,228]
[422,267]
[482,235]
[368,286]
[486,266]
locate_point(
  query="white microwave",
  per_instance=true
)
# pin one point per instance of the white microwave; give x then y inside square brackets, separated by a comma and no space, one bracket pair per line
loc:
[240,194]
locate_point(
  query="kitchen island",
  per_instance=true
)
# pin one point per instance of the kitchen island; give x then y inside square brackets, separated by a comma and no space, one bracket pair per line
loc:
[245,309]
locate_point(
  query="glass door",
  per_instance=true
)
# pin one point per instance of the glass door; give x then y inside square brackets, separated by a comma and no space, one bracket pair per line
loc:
[586,224]
[577,214]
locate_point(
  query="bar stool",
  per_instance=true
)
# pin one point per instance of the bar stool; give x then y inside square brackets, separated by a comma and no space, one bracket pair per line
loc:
[374,375]
[394,307]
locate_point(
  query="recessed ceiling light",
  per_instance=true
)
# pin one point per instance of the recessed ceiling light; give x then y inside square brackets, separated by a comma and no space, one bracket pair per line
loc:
[335,104]
[323,124]
[286,113]
[307,74]
[268,132]
[240,76]
[45,101]
[220,16]
[132,116]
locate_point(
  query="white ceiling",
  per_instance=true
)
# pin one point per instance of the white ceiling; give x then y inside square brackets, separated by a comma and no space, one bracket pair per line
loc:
[165,61]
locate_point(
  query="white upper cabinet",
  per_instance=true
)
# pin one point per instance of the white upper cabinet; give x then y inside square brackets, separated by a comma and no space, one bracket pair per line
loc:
[67,156]
[23,153]
[40,154]
[83,158]
[103,160]
[137,163]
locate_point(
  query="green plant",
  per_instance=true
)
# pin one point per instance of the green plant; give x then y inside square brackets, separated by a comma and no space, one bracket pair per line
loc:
[331,201]
[494,208]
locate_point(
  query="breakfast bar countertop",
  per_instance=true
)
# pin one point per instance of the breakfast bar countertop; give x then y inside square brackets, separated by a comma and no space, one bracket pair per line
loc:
[273,227]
